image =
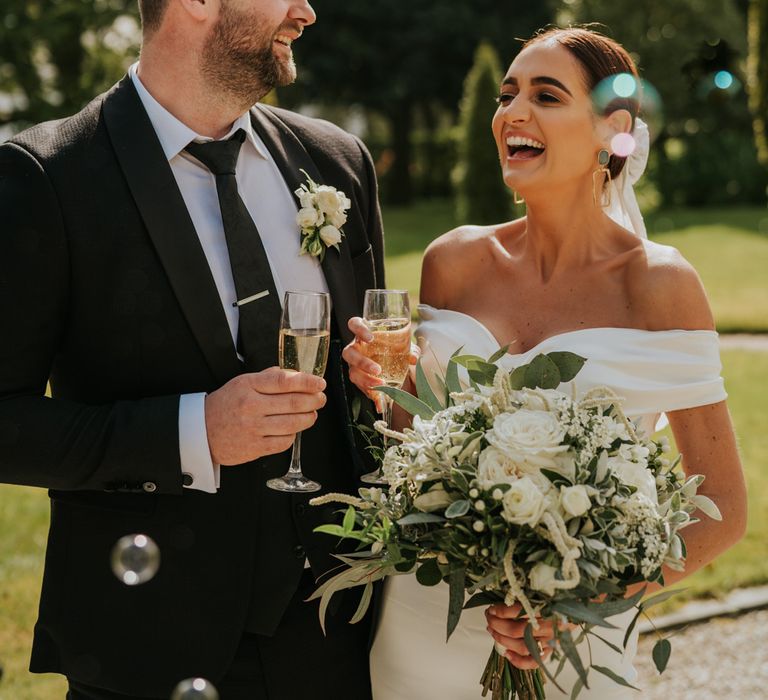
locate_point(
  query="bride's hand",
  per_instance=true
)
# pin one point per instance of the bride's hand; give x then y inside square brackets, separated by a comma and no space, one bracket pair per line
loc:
[507,628]
[364,372]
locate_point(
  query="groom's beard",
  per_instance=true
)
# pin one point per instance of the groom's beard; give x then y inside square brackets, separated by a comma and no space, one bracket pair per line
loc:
[243,63]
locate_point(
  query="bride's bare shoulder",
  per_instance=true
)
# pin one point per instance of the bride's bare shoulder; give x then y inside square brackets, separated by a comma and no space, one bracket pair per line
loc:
[669,291]
[448,262]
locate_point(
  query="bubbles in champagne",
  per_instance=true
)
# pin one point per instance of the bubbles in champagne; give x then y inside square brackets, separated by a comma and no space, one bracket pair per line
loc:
[195,689]
[304,350]
[135,559]
[390,348]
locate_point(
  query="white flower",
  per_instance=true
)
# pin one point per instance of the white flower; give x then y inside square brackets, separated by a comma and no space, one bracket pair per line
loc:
[494,467]
[574,500]
[436,498]
[306,198]
[307,217]
[530,438]
[542,578]
[329,199]
[523,503]
[633,474]
[337,218]
[330,235]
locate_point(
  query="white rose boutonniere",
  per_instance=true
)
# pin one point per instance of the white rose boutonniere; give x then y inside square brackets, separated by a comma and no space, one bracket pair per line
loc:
[321,216]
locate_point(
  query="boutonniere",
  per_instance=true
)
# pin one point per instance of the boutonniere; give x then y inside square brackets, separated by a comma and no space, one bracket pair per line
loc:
[322,214]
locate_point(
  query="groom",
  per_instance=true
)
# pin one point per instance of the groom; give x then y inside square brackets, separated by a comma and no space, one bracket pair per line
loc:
[128,235]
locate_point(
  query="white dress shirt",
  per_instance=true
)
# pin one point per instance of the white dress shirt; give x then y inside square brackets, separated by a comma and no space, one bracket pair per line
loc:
[272,207]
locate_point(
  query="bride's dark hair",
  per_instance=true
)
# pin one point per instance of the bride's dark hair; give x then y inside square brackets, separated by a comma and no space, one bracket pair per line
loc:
[599,57]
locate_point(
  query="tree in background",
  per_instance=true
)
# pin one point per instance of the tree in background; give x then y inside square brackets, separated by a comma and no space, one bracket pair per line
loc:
[482,196]
[703,153]
[404,60]
[57,55]
[757,74]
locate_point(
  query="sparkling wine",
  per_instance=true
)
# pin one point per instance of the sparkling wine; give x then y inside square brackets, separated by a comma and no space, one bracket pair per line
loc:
[390,348]
[304,350]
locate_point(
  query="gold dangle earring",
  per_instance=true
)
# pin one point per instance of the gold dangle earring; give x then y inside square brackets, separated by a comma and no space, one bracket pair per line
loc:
[603,158]
[518,199]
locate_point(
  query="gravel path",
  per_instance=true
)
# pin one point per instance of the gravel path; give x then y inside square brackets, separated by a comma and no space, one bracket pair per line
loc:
[725,658]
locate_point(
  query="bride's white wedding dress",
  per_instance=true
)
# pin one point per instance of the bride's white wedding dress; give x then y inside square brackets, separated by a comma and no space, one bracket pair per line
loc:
[654,371]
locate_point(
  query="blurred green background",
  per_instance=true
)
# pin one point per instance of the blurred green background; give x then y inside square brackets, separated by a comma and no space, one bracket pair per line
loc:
[410,78]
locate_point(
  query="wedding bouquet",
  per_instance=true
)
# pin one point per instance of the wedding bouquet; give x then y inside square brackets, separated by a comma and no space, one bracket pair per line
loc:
[515,492]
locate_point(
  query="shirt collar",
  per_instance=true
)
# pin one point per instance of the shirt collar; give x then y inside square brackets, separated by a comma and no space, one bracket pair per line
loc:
[174,135]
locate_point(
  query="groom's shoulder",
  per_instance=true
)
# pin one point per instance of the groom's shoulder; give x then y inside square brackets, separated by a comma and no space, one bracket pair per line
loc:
[59,138]
[318,135]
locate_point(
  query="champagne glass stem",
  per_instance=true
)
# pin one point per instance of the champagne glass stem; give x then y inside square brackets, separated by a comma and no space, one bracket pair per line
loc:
[295,467]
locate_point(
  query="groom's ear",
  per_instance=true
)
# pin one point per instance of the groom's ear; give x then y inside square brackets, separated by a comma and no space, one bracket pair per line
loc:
[200,10]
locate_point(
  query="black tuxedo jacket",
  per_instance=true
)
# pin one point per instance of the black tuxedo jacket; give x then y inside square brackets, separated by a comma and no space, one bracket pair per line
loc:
[105,290]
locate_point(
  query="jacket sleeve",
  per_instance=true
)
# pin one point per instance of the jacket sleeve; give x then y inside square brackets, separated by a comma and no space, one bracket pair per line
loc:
[50,442]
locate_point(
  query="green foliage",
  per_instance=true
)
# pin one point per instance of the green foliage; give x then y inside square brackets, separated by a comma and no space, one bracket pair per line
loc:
[57,56]
[757,73]
[482,196]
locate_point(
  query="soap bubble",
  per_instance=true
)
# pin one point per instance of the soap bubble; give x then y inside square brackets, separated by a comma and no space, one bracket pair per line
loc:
[627,91]
[719,85]
[623,145]
[195,689]
[135,559]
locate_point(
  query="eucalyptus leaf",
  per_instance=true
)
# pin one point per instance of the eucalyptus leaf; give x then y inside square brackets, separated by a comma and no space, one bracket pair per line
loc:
[631,627]
[578,686]
[616,607]
[568,363]
[542,373]
[660,598]
[615,677]
[424,391]
[420,519]
[407,402]
[517,378]
[498,354]
[455,598]
[364,604]
[429,574]
[661,652]
[533,649]
[576,611]
[570,650]
[481,599]
[607,643]
[457,509]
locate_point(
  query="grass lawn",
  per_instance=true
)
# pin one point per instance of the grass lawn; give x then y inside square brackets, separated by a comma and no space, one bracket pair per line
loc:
[729,248]
[24,519]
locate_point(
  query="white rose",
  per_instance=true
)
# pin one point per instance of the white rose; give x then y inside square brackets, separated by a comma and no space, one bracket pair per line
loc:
[436,498]
[306,198]
[542,578]
[523,503]
[530,438]
[574,500]
[327,199]
[494,467]
[330,235]
[344,201]
[635,475]
[337,218]
[307,217]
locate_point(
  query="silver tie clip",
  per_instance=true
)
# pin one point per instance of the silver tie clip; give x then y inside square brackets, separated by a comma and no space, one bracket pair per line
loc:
[248,300]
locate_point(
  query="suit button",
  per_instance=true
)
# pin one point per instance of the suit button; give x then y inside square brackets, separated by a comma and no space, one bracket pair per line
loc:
[298,552]
[149,486]
[187,479]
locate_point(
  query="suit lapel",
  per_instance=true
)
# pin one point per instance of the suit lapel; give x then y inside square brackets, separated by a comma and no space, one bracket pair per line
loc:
[170,227]
[291,158]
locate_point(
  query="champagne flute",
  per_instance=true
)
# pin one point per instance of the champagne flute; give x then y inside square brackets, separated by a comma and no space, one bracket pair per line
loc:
[387,313]
[304,341]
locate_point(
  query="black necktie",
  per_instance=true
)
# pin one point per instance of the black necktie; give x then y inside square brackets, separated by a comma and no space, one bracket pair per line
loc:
[259,318]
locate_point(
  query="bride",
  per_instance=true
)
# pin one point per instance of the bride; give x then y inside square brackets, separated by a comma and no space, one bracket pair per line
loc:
[576,273]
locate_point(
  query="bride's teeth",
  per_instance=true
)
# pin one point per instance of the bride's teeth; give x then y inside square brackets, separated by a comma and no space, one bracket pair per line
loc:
[520,141]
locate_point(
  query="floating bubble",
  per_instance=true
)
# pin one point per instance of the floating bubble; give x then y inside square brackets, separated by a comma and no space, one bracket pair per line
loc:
[719,85]
[723,79]
[135,559]
[628,92]
[623,145]
[195,689]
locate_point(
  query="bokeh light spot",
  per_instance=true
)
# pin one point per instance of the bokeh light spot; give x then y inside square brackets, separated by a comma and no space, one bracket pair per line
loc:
[195,689]
[625,85]
[723,79]
[135,559]
[623,145]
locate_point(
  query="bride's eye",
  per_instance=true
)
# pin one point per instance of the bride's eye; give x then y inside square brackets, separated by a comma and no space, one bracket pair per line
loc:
[505,98]
[547,97]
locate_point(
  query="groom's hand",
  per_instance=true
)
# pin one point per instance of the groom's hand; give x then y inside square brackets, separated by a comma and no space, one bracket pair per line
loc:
[259,414]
